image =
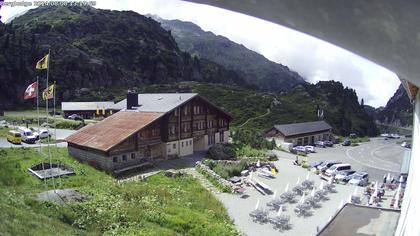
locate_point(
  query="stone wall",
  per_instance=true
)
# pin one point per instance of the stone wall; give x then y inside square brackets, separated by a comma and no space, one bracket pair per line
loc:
[94,159]
[213,174]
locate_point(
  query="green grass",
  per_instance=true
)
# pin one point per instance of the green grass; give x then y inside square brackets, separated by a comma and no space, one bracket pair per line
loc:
[158,206]
[3,132]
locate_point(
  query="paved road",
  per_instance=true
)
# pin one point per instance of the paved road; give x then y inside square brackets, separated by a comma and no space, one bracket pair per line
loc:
[61,134]
[378,157]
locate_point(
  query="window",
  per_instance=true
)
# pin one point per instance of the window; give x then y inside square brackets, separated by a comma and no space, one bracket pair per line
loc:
[124,157]
[186,143]
[190,142]
[186,110]
[133,156]
[222,137]
[182,144]
[174,146]
[115,159]
[155,132]
[211,139]
[172,130]
[176,112]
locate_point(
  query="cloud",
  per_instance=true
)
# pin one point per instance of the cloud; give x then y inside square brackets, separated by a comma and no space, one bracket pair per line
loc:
[314,59]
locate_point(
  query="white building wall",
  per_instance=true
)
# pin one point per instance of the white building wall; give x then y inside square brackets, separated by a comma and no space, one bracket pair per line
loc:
[410,210]
[171,149]
[217,137]
[186,147]
[180,148]
[226,135]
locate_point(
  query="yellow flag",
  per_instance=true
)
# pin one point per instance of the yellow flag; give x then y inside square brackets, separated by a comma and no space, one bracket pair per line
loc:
[48,93]
[43,63]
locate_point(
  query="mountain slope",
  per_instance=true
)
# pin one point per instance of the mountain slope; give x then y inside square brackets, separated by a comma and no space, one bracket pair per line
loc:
[341,108]
[254,67]
[398,110]
[95,48]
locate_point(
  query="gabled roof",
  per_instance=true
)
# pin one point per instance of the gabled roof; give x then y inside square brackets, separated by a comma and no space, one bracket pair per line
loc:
[113,130]
[85,106]
[158,102]
[302,128]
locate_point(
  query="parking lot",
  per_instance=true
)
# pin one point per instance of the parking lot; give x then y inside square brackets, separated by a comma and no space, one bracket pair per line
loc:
[377,157]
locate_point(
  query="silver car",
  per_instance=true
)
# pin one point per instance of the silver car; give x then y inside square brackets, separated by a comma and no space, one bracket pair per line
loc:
[359,179]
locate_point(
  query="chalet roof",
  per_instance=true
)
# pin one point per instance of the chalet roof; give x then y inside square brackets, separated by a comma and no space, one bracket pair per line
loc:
[113,130]
[158,102]
[302,128]
[85,106]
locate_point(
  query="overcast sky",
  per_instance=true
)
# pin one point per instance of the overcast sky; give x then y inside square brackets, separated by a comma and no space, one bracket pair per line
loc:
[314,59]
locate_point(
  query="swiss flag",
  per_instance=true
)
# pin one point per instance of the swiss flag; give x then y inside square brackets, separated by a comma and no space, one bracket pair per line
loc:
[31,91]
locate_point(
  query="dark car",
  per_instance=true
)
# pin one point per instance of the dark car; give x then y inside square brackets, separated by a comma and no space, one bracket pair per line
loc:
[75,117]
[320,144]
[346,143]
[328,143]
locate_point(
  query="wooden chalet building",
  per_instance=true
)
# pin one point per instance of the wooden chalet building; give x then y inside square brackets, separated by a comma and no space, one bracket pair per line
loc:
[150,127]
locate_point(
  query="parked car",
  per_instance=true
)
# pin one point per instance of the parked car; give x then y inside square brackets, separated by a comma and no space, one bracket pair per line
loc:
[309,148]
[300,149]
[395,136]
[328,143]
[346,143]
[327,164]
[14,137]
[43,133]
[334,169]
[4,124]
[406,145]
[75,117]
[316,164]
[27,135]
[344,175]
[320,144]
[359,179]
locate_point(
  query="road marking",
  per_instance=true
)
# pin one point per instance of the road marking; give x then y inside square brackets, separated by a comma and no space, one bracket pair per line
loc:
[372,154]
[364,164]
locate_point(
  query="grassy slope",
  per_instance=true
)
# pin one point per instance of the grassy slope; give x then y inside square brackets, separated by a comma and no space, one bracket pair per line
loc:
[158,206]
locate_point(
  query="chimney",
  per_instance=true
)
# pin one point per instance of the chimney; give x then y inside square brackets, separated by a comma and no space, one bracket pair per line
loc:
[132,99]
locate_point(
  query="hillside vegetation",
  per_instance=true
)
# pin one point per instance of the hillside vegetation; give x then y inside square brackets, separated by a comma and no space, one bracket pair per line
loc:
[341,107]
[253,67]
[157,206]
[94,48]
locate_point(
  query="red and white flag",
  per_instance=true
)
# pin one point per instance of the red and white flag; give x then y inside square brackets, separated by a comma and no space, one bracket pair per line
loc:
[31,91]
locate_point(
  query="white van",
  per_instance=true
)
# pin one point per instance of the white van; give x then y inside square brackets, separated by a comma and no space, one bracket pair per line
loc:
[334,169]
[27,135]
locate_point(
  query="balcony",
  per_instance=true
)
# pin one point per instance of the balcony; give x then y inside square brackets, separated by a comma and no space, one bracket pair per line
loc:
[150,141]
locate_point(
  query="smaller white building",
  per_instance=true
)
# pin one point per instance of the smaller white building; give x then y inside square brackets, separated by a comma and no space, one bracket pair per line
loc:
[300,133]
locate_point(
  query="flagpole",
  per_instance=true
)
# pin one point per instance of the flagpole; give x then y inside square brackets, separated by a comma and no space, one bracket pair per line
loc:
[46,102]
[39,134]
[37,111]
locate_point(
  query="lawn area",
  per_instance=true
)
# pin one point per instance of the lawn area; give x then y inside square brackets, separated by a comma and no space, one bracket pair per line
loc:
[157,206]
[3,132]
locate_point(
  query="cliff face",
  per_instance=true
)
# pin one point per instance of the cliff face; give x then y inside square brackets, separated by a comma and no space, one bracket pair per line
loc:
[398,111]
[93,48]
[253,67]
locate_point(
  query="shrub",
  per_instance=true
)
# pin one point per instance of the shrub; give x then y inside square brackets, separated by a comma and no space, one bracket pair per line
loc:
[248,151]
[229,169]
[221,151]
[354,144]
